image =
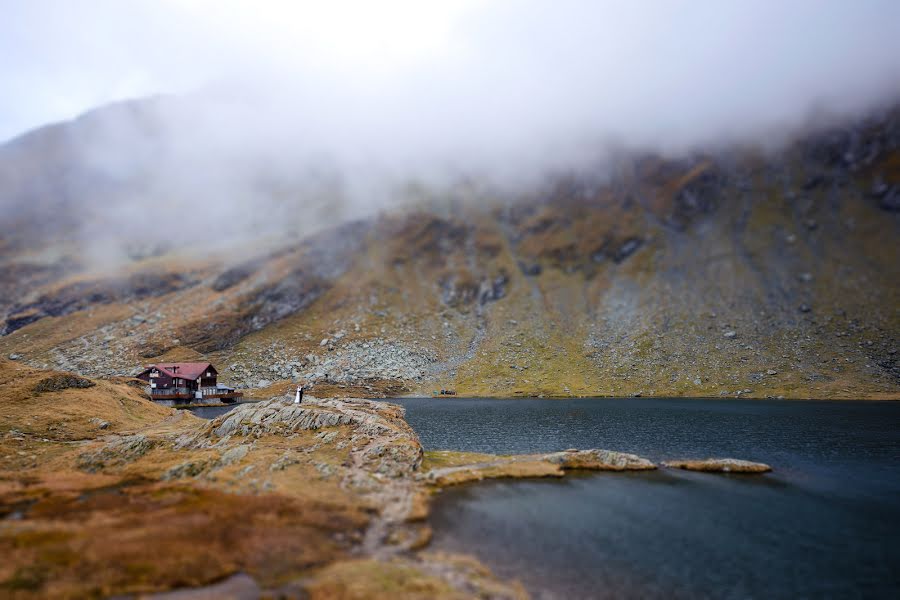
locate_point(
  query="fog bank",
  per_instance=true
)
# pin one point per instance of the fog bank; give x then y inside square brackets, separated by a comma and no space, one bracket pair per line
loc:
[287,112]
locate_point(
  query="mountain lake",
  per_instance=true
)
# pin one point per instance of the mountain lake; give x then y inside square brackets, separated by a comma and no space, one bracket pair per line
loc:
[825,523]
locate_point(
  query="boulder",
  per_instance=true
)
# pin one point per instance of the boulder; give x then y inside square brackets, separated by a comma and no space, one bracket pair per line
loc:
[100,423]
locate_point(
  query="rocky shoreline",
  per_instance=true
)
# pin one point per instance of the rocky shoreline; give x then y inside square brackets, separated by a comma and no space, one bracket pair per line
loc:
[307,500]
[388,467]
[318,500]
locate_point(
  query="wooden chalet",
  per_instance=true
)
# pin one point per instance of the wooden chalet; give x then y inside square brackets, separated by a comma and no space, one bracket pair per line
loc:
[186,381]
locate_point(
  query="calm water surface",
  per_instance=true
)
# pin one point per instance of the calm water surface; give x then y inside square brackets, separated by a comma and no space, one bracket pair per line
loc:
[211,412]
[824,524]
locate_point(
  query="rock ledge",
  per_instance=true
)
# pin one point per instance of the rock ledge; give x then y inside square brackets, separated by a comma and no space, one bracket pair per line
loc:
[719,465]
[599,460]
[554,464]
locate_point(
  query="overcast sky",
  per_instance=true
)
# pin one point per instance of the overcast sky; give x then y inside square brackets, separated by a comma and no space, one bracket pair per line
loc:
[664,71]
[279,111]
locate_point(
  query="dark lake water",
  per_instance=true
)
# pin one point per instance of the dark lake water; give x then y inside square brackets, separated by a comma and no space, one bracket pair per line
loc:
[824,524]
[211,412]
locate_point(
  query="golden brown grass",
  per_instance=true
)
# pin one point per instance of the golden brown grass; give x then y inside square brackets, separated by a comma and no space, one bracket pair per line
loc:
[122,530]
[67,414]
[367,579]
[140,537]
[409,579]
[436,459]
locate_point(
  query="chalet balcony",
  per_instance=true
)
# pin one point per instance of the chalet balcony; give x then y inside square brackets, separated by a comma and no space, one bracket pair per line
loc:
[180,393]
[183,393]
[219,392]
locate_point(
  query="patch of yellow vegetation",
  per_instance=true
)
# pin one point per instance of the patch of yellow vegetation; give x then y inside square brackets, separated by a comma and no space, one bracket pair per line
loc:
[274,512]
[409,579]
[68,414]
[436,459]
[369,579]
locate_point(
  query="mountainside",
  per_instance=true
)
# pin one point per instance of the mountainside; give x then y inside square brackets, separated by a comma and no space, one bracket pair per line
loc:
[734,273]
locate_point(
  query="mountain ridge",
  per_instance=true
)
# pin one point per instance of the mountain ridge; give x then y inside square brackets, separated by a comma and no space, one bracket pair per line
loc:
[732,274]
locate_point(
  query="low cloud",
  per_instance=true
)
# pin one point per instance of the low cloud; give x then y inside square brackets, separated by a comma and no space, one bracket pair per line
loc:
[287,115]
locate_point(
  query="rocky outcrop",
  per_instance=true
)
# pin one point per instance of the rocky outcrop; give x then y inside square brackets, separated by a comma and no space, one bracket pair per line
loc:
[191,468]
[382,423]
[599,460]
[119,451]
[381,441]
[381,454]
[719,465]
[62,381]
[554,464]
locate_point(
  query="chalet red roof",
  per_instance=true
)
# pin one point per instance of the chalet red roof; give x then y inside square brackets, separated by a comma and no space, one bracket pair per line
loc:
[184,370]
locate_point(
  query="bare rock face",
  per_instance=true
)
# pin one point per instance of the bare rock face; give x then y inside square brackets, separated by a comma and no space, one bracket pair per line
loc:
[187,469]
[282,416]
[600,460]
[719,465]
[386,443]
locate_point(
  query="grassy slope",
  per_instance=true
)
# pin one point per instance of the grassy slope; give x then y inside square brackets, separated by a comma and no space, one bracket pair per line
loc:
[89,533]
[82,521]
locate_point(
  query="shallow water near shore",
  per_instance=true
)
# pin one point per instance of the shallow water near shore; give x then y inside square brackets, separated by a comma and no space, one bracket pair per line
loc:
[825,523]
[211,412]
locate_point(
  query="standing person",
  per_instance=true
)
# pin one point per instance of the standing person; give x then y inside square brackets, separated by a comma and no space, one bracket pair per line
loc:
[298,397]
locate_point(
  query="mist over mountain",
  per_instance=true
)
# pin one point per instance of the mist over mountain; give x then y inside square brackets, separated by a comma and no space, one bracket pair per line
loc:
[734,272]
[288,120]
[230,227]
[578,199]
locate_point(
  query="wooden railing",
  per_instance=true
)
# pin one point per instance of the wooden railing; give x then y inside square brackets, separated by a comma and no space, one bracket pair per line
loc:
[171,396]
[182,393]
[177,391]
